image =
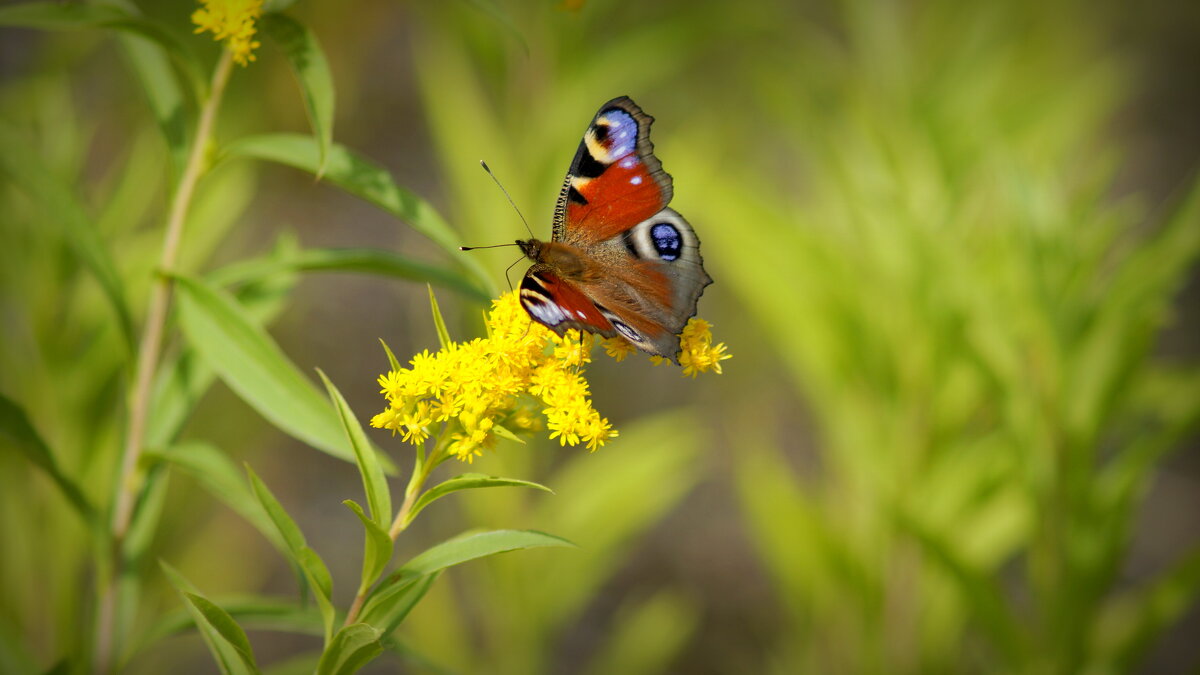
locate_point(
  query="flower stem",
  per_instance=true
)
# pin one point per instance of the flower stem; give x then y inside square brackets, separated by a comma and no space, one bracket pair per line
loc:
[149,349]
[422,467]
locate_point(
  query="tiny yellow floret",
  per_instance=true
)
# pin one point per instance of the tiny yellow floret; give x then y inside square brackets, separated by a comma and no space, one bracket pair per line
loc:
[231,21]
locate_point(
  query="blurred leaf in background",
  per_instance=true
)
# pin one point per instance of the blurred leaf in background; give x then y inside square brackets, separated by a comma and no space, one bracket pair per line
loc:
[954,248]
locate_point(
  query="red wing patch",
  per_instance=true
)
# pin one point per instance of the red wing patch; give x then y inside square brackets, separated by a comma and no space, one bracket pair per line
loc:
[560,305]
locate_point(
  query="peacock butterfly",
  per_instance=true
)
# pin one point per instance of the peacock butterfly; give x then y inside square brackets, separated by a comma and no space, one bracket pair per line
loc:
[619,262]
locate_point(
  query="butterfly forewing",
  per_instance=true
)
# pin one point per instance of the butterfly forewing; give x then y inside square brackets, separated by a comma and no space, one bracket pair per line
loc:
[615,181]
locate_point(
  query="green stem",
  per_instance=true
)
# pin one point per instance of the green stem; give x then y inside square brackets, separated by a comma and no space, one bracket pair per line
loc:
[149,349]
[422,467]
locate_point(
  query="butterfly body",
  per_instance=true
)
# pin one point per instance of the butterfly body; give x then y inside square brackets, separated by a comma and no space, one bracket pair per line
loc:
[619,262]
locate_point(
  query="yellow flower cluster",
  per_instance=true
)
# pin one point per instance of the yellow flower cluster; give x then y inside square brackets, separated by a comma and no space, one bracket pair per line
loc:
[698,355]
[233,22]
[486,388]
[475,392]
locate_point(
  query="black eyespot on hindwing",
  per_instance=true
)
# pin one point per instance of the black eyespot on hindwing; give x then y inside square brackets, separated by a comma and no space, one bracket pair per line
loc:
[627,332]
[666,240]
[623,328]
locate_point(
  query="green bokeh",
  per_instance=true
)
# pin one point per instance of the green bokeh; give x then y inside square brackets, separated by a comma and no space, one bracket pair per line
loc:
[954,248]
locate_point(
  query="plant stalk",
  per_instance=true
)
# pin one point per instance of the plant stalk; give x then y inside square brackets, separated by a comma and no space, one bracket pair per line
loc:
[149,350]
[421,470]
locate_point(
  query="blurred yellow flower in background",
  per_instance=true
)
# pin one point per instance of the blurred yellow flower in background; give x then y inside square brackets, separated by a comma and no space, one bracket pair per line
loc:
[491,387]
[233,22]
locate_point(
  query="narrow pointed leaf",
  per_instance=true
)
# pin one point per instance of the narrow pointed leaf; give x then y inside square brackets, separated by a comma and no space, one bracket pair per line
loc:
[393,608]
[311,67]
[62,210]
[503,432]
[455,551]
[150,63]
[352,648]
[438,322]
[364,179]
[220,476]
[17,432]
[468,481]
[75,16]
[250,362]
[252,612]
[293,538]
[377,551]
[147,514]
[392,362]
[225,638]
[982,592]
[477,545]
[321,582]
[315,571]
[359,260]
[375,485]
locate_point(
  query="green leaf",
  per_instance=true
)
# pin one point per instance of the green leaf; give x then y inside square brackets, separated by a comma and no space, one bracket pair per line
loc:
[981,591]
[468,481]
[220,476]
[364,179]
[503,432]
[253,612]
[185,378]
[312,73]
[352,648]
[293,538]
[381,606]
[254,367]
[75,16]
[438,322]
[1136,620]
[647,637]
[146,516]
[379,497]
[151,64]
[23,165]
[472,546]
[318,573]
[225,638]
[393,607]
[377,551]
[392,362]
[315,571]
[361,260]
[17,432]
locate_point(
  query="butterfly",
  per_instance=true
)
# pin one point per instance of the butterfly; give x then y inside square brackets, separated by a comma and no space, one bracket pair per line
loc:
[619,262]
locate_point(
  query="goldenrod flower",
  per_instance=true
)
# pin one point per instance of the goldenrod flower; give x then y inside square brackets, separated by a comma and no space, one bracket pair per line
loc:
[474,392]
[698,355]
[233,22]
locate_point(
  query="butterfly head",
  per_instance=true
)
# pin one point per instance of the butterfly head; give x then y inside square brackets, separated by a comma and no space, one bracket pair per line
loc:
[532,248]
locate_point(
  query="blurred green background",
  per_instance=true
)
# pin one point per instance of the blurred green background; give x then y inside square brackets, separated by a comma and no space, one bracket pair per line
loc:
[954,247]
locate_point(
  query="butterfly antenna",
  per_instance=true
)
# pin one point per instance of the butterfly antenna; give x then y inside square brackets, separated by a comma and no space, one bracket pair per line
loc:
[510,199]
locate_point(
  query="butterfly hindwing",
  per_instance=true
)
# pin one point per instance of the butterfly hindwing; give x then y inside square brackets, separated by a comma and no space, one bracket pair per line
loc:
[560,305]
[653,291]
[615,181]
